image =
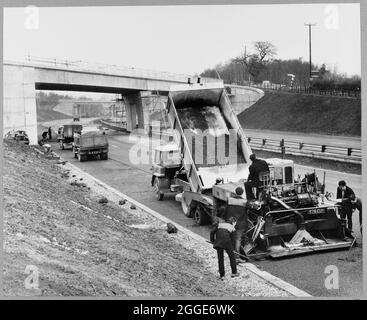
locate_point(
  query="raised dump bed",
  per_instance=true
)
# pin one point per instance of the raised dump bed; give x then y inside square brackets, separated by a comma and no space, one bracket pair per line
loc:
[210,137]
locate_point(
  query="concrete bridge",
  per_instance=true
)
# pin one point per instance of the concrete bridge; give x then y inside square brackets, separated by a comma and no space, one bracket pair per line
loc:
[22,79]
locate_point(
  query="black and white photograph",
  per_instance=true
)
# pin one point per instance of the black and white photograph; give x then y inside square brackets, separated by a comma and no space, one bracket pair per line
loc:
[182,151]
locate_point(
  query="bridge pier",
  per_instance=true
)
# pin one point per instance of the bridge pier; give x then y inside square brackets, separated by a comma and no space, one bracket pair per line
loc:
[20,110]
[134,111]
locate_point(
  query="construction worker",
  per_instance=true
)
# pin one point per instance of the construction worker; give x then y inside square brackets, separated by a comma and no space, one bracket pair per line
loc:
[220,236]
[49,133]
[258,166]
[346,196]
[236,208]
[44,135]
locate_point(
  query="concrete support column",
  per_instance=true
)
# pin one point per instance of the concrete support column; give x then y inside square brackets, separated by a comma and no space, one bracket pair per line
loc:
[19,108]
[134,111]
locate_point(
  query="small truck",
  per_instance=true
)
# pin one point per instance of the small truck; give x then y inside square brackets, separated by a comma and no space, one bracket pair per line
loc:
[88,145]
[66,134]
[166,164]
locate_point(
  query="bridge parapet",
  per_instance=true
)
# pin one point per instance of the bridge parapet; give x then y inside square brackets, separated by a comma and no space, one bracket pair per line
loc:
[105,69]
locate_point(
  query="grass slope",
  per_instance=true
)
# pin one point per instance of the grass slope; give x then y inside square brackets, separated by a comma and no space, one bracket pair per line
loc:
[304,113]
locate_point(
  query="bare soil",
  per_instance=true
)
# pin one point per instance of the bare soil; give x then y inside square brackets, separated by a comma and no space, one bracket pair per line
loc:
[81,246]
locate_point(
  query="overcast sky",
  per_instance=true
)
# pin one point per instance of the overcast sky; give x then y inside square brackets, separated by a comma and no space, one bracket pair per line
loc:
[185,39]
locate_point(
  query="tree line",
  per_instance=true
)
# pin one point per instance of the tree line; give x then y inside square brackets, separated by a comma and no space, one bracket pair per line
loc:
[260,65]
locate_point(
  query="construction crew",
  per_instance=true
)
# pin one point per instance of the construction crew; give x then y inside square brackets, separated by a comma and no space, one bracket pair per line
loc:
[220,236]
[346,196]
[258,166]
[236,208]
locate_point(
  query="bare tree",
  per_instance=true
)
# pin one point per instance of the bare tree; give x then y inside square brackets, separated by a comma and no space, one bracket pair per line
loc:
[256,62]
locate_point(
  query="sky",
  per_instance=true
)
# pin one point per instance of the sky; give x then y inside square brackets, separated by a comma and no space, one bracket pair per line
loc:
[184,39]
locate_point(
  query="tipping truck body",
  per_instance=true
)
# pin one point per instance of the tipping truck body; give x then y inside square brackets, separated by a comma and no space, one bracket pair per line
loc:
[202,119]
[212,145]
[287,217]
[92,144]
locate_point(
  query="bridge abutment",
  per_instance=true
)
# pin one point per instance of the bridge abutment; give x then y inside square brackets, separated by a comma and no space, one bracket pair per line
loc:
[134,111]
[20,111]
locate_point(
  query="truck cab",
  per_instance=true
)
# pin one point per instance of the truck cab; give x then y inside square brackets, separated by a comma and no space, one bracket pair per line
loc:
[166,163]
[66,134]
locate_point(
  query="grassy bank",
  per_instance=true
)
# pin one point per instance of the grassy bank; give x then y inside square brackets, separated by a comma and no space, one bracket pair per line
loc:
[304,113]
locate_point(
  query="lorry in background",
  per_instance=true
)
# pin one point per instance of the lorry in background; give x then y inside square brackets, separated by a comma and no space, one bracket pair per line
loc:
[288,216]
[91,144]
[66,134]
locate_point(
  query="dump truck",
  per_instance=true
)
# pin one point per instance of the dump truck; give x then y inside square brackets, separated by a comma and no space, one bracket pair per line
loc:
[209,158]
[90,145]
[66,134]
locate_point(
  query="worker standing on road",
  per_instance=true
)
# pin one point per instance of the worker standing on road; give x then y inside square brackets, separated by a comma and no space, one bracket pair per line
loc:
[346,195]
[236,208]
[49,133]
[258,166]
[220,236]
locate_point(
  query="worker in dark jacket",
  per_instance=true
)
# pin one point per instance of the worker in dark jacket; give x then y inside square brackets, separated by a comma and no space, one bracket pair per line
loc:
[50,133]
[346,196]
[258,166]
[220,236]
[236,208]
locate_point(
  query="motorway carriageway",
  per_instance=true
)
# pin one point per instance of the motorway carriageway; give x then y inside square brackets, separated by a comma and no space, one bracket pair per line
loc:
[305,272]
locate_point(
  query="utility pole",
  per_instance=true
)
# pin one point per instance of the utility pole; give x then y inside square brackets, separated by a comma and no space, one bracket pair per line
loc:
[309,40]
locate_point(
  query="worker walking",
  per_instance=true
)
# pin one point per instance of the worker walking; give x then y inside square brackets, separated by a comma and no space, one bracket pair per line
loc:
[346,195]
[49,133]
[220,236]
[257,167]
[236,208]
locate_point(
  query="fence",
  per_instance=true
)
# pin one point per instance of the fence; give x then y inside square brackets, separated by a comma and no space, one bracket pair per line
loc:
[306,90]
[327,152]
[317,151]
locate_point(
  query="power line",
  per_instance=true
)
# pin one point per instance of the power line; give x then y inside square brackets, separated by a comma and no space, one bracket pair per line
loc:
[309,40]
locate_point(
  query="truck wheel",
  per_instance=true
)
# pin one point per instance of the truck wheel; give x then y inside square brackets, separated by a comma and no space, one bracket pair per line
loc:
[81,158]
[186,209]
[104,156]
[201,218]
[160,195]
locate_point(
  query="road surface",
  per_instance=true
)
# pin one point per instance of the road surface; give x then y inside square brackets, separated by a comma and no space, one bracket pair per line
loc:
[319,139]
[123,172]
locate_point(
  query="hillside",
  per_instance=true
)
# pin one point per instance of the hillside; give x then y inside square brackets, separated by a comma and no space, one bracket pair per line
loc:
[54,223]
[304,113]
